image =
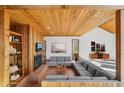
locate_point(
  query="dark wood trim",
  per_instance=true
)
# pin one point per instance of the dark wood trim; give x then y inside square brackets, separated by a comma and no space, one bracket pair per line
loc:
[44,45]
[13,7]
[72,47]
[118,45]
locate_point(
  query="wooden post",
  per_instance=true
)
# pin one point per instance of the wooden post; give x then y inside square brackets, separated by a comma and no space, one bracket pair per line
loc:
[4,47]
[31,52]
[122,45]
[25,48]
[118,45]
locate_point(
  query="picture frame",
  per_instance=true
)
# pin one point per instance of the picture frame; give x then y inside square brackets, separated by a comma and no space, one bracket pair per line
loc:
[58,47]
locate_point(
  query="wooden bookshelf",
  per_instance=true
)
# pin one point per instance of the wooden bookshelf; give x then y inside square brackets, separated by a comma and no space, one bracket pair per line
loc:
[16,56]
[14,83]
[15,33]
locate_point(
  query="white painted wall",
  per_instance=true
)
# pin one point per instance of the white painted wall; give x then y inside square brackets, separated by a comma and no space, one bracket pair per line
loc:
[65,39]
[122,45]
[99,36]
[113,49]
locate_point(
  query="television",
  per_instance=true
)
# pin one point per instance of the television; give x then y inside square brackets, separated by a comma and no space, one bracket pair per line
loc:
[39,47]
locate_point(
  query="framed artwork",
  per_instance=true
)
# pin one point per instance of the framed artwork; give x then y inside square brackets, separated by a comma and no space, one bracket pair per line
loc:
[93,46]
[97,47]
[58,47]
[102,47]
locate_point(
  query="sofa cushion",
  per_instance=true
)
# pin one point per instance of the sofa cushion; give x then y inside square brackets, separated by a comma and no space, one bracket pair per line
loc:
[82,63]
[57,77]
[60,59]
[85,65]
[77,64]
[91,69]
[100,73]
[99,78]
[68,64]
[53,58]
[84,73]
[60,62]
[80,78]
[67,58]
[80,68]
[52,63]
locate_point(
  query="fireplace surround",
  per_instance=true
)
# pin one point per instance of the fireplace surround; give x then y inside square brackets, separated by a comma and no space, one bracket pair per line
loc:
[37,61]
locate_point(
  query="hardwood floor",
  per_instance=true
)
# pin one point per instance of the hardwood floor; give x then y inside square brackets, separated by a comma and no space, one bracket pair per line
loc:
[34,79]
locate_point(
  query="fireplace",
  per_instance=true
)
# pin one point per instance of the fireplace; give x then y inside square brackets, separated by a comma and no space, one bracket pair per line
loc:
[37,61]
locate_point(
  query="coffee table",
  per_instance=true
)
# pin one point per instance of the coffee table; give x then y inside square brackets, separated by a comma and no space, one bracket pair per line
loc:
[61,69]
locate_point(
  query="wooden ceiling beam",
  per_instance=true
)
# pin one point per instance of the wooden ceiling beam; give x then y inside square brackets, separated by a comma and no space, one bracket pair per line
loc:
[63,6]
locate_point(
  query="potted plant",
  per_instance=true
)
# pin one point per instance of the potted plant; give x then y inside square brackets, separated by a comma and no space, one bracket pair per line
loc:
[76,57]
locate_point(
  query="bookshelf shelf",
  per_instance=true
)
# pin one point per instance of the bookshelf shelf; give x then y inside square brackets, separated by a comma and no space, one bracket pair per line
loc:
[16,56]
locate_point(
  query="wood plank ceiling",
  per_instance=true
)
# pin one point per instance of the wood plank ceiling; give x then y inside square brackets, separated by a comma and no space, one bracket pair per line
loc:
[109,25]
[66,22]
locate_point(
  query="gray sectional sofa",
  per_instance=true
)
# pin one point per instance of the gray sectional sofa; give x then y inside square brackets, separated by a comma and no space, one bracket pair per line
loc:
[85,71]
[55,60]
[67,77]
[85,68]
[60,58]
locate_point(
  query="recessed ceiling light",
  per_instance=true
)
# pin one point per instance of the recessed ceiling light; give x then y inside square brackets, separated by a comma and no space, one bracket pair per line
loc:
[48,27]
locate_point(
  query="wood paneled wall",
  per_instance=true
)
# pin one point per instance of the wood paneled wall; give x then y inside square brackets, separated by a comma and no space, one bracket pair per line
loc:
[35,33]
[4,47]
[31,34]
[25,32]
[34,37]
